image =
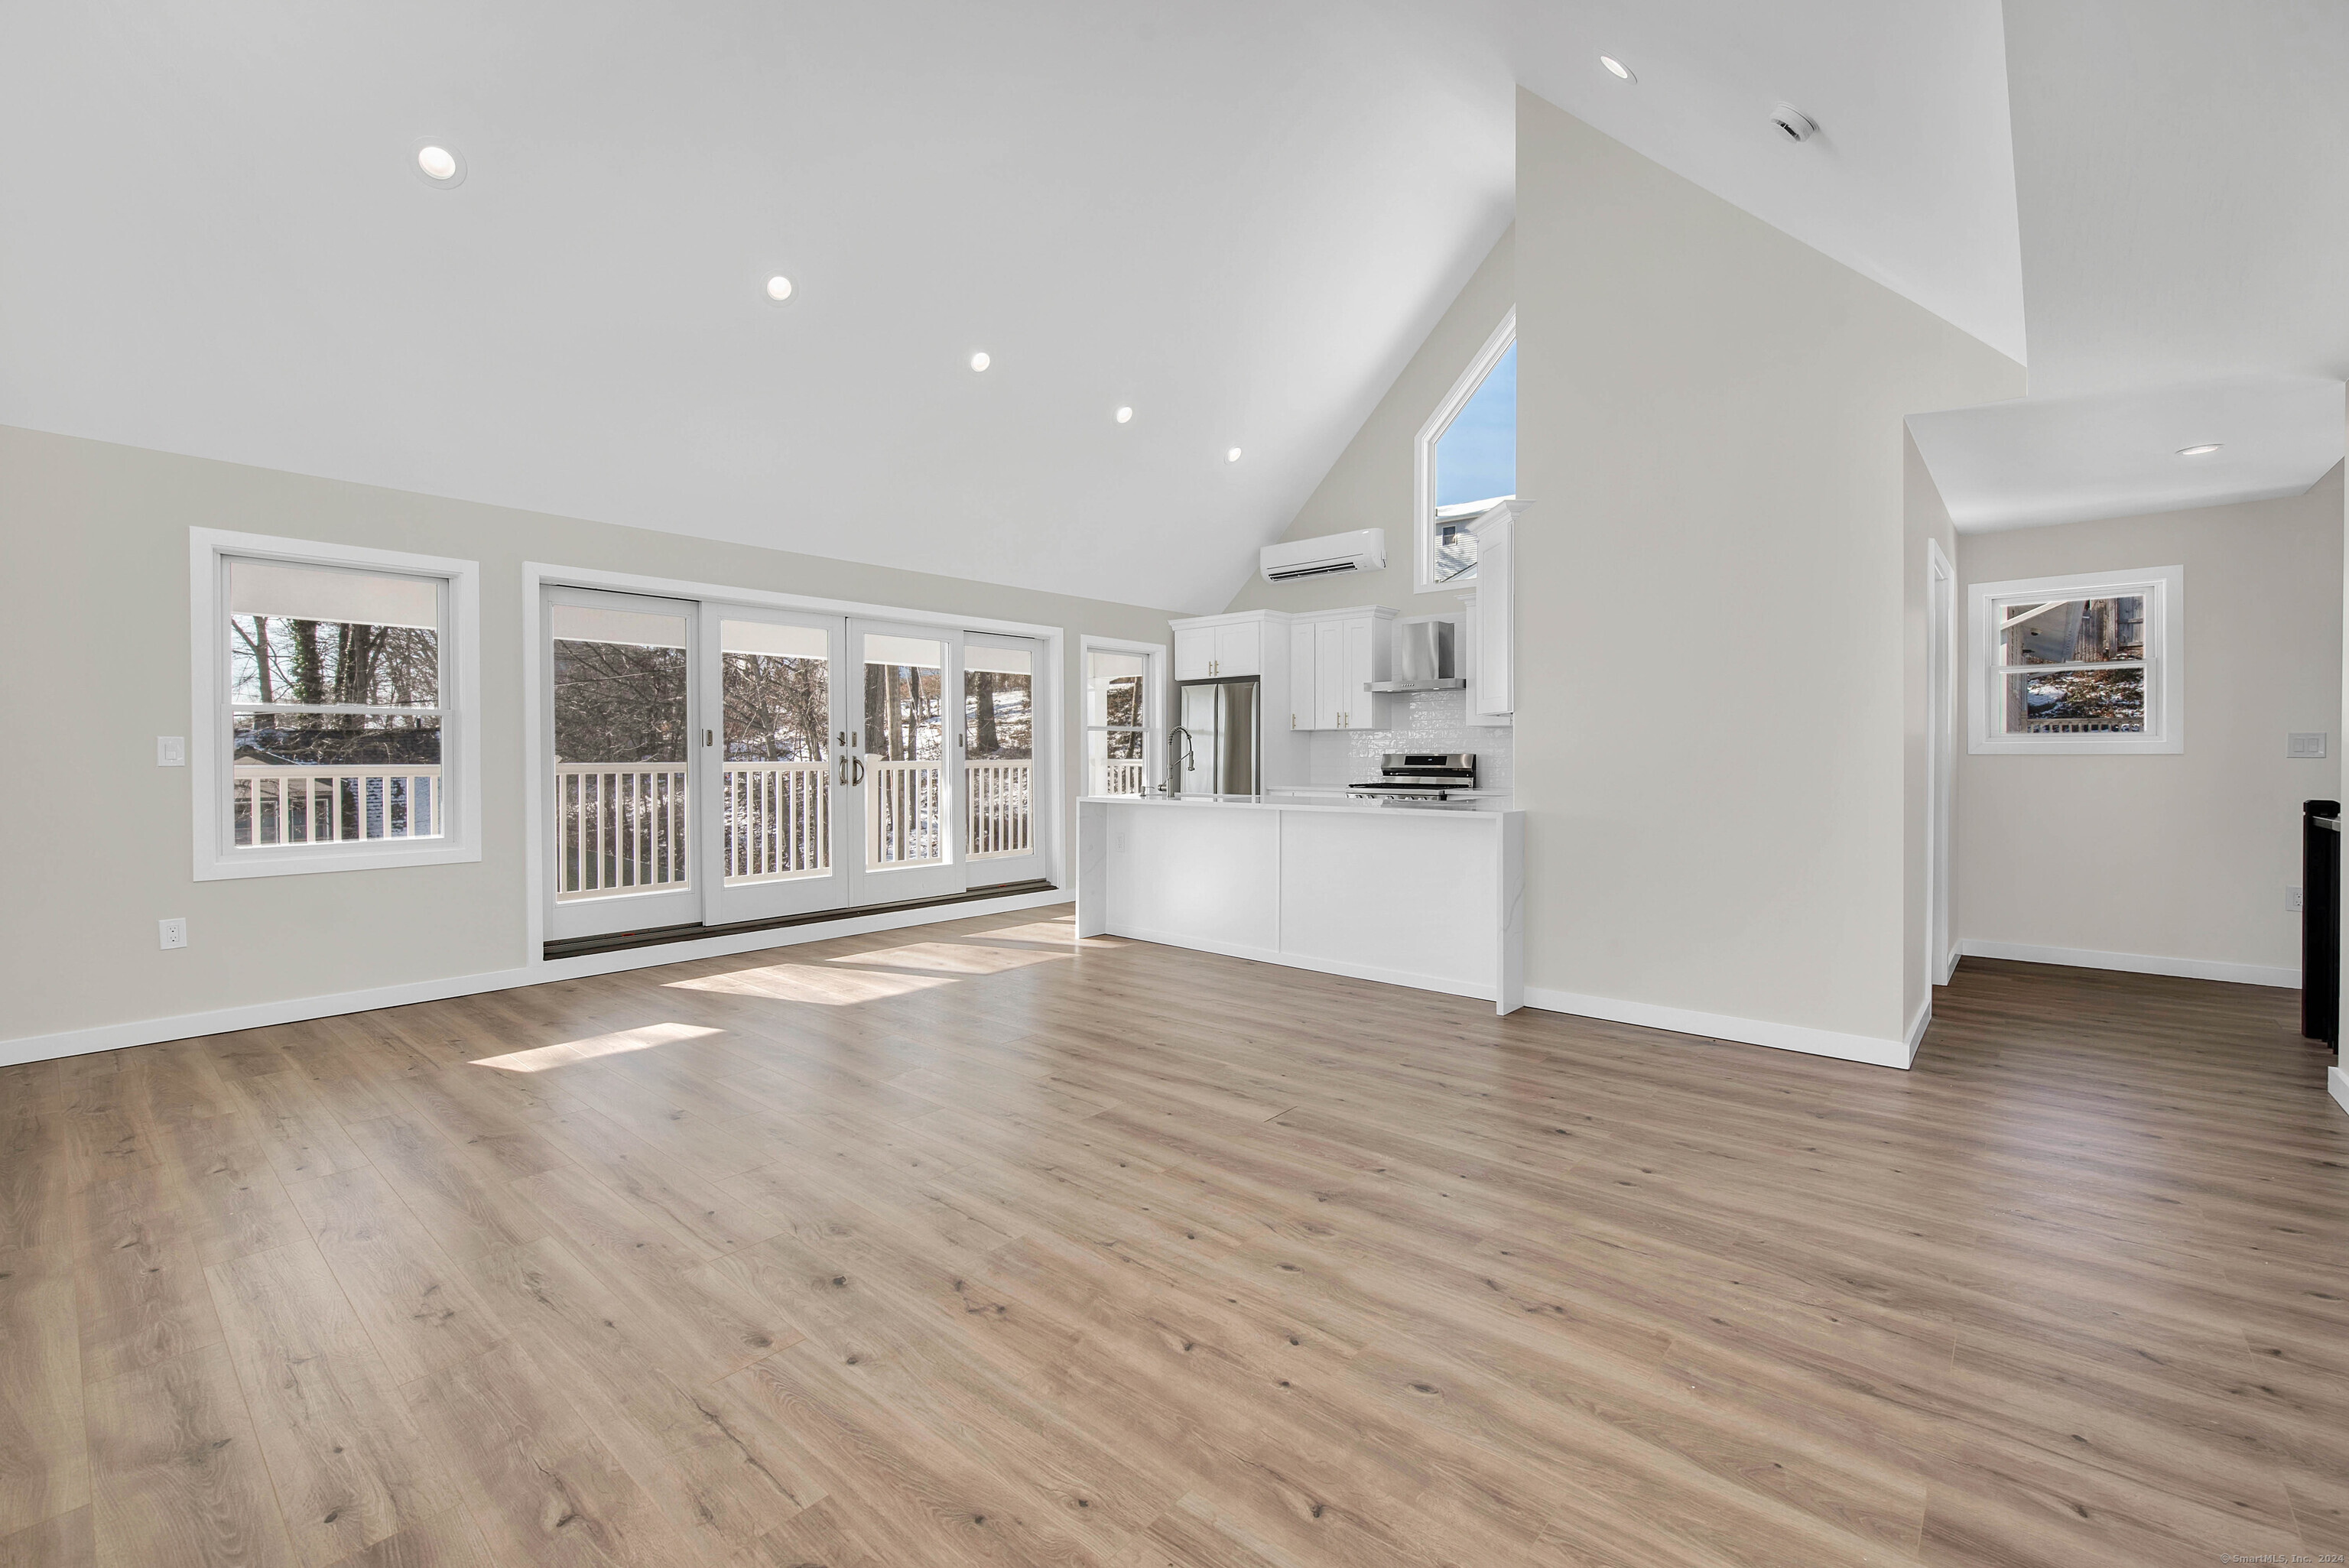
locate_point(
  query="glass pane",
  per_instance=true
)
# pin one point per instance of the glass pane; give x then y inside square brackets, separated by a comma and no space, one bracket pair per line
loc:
[273,658]
[2071,632]
[2075,702]
[997,769]
[1113,688]
[1114,762]
[620,701]
[997,712]
[620,752]
[904,751]
[1475,464]
[777,787]
[328,778]
[336,740]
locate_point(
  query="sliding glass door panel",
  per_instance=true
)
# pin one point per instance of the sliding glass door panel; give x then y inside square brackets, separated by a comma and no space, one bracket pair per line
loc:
[778,839]
[621,733]
[1002,821]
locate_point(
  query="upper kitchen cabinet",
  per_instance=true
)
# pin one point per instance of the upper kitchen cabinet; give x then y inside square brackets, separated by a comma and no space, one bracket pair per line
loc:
[1194,653]
[1493,688]
[1333,654]
[1239,648]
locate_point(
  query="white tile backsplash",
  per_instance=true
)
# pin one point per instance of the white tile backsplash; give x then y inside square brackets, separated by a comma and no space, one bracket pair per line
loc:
[1423,721]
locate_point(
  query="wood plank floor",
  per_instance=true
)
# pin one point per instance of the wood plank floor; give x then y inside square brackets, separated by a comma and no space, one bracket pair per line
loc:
[976,1244]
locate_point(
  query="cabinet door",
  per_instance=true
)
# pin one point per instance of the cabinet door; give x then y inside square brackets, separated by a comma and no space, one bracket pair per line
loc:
[1239,649]
[1328,674]
[1194,651]
[1361,670]
[1497,631]
[1302,713]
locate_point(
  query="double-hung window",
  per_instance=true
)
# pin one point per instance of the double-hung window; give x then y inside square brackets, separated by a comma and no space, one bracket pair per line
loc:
[1117,718]
[334,707]
[2092,662]
[1467,463]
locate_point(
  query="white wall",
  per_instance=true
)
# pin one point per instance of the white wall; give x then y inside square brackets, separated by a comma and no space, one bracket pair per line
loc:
[1369,485]
[1926,523]
[96,839]
[2185,857]
[1710,735]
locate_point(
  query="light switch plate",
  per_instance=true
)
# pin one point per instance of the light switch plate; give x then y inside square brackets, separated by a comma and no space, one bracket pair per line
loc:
[172,933]
[2311,747]
[171,751]
[2292,899]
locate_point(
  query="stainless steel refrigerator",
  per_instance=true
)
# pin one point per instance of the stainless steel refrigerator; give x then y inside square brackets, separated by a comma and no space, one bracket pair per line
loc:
[1215,749]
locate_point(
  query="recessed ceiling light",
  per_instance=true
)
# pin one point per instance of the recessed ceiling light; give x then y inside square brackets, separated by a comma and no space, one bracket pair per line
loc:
[2204,450]
[1123,415]
[1618,67]
[1233,456]
[778,288]
[979,361]
[438,165]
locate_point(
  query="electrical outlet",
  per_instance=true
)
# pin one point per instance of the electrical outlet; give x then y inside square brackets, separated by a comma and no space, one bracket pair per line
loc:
[1120,843]
[2292,899]
[2311,747]
[171,751]
[172,933]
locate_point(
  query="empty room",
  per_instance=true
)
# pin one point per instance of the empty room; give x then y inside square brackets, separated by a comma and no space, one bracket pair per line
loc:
[1379,785]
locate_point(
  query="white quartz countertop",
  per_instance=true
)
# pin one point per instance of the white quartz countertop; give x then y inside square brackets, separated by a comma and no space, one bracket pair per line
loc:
[1286,800]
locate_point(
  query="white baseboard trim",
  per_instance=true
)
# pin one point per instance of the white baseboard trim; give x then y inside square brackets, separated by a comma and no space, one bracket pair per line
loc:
[2336,1084]
[2137,963]
[1384,976]
[1918,1025]
[259,1015]
[1744,1031]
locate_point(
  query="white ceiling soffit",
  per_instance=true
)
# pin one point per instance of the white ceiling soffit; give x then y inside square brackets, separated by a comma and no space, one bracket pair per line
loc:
[1909,179]
[2182,167]
[1238,220]
[2068,460]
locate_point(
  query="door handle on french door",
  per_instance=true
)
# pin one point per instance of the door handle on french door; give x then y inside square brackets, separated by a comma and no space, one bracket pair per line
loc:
[708,738]
[858,762]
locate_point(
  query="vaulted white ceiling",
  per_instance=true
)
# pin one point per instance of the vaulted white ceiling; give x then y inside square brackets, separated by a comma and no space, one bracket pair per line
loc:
[2183,173]
[1238,219]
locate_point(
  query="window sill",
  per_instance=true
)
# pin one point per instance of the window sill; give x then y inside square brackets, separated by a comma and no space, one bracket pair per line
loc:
[2080,745]
[308,861]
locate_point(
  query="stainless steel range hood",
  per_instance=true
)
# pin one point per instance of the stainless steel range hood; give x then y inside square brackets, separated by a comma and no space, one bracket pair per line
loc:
[1424,659]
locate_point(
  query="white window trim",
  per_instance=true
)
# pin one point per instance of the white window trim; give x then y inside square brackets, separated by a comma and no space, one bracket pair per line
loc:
[216,858]
[2164,588]
[1423,484]
[1154,702]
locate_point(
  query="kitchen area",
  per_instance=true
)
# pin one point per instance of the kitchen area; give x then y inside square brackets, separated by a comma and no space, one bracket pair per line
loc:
[1333,791]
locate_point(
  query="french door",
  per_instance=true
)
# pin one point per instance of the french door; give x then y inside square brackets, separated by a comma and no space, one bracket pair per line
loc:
[712,763]
[904,768]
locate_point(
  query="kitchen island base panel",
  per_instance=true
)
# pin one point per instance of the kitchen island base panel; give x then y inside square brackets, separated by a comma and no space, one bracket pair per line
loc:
[1428,899]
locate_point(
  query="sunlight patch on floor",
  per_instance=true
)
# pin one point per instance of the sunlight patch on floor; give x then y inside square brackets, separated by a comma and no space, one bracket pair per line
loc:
[821,984]
[541,1057]
[950,957]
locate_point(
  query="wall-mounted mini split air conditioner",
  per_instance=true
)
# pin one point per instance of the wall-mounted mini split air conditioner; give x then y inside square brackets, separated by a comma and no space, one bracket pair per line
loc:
[1364,550]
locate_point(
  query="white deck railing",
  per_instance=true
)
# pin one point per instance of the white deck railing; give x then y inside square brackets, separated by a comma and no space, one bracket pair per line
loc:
[1002,812]
[1122,777]
[276,806]
[905,813]
[619,829]
[777,820]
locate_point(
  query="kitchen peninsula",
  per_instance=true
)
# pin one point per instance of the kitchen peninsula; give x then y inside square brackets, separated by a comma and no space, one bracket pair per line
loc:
[1430,897]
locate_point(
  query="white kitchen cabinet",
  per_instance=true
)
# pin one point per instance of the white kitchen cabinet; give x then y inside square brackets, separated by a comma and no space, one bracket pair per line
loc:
[1368,659]
[1328,674]
[1239,648]
[1194,653]
[1300,675]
